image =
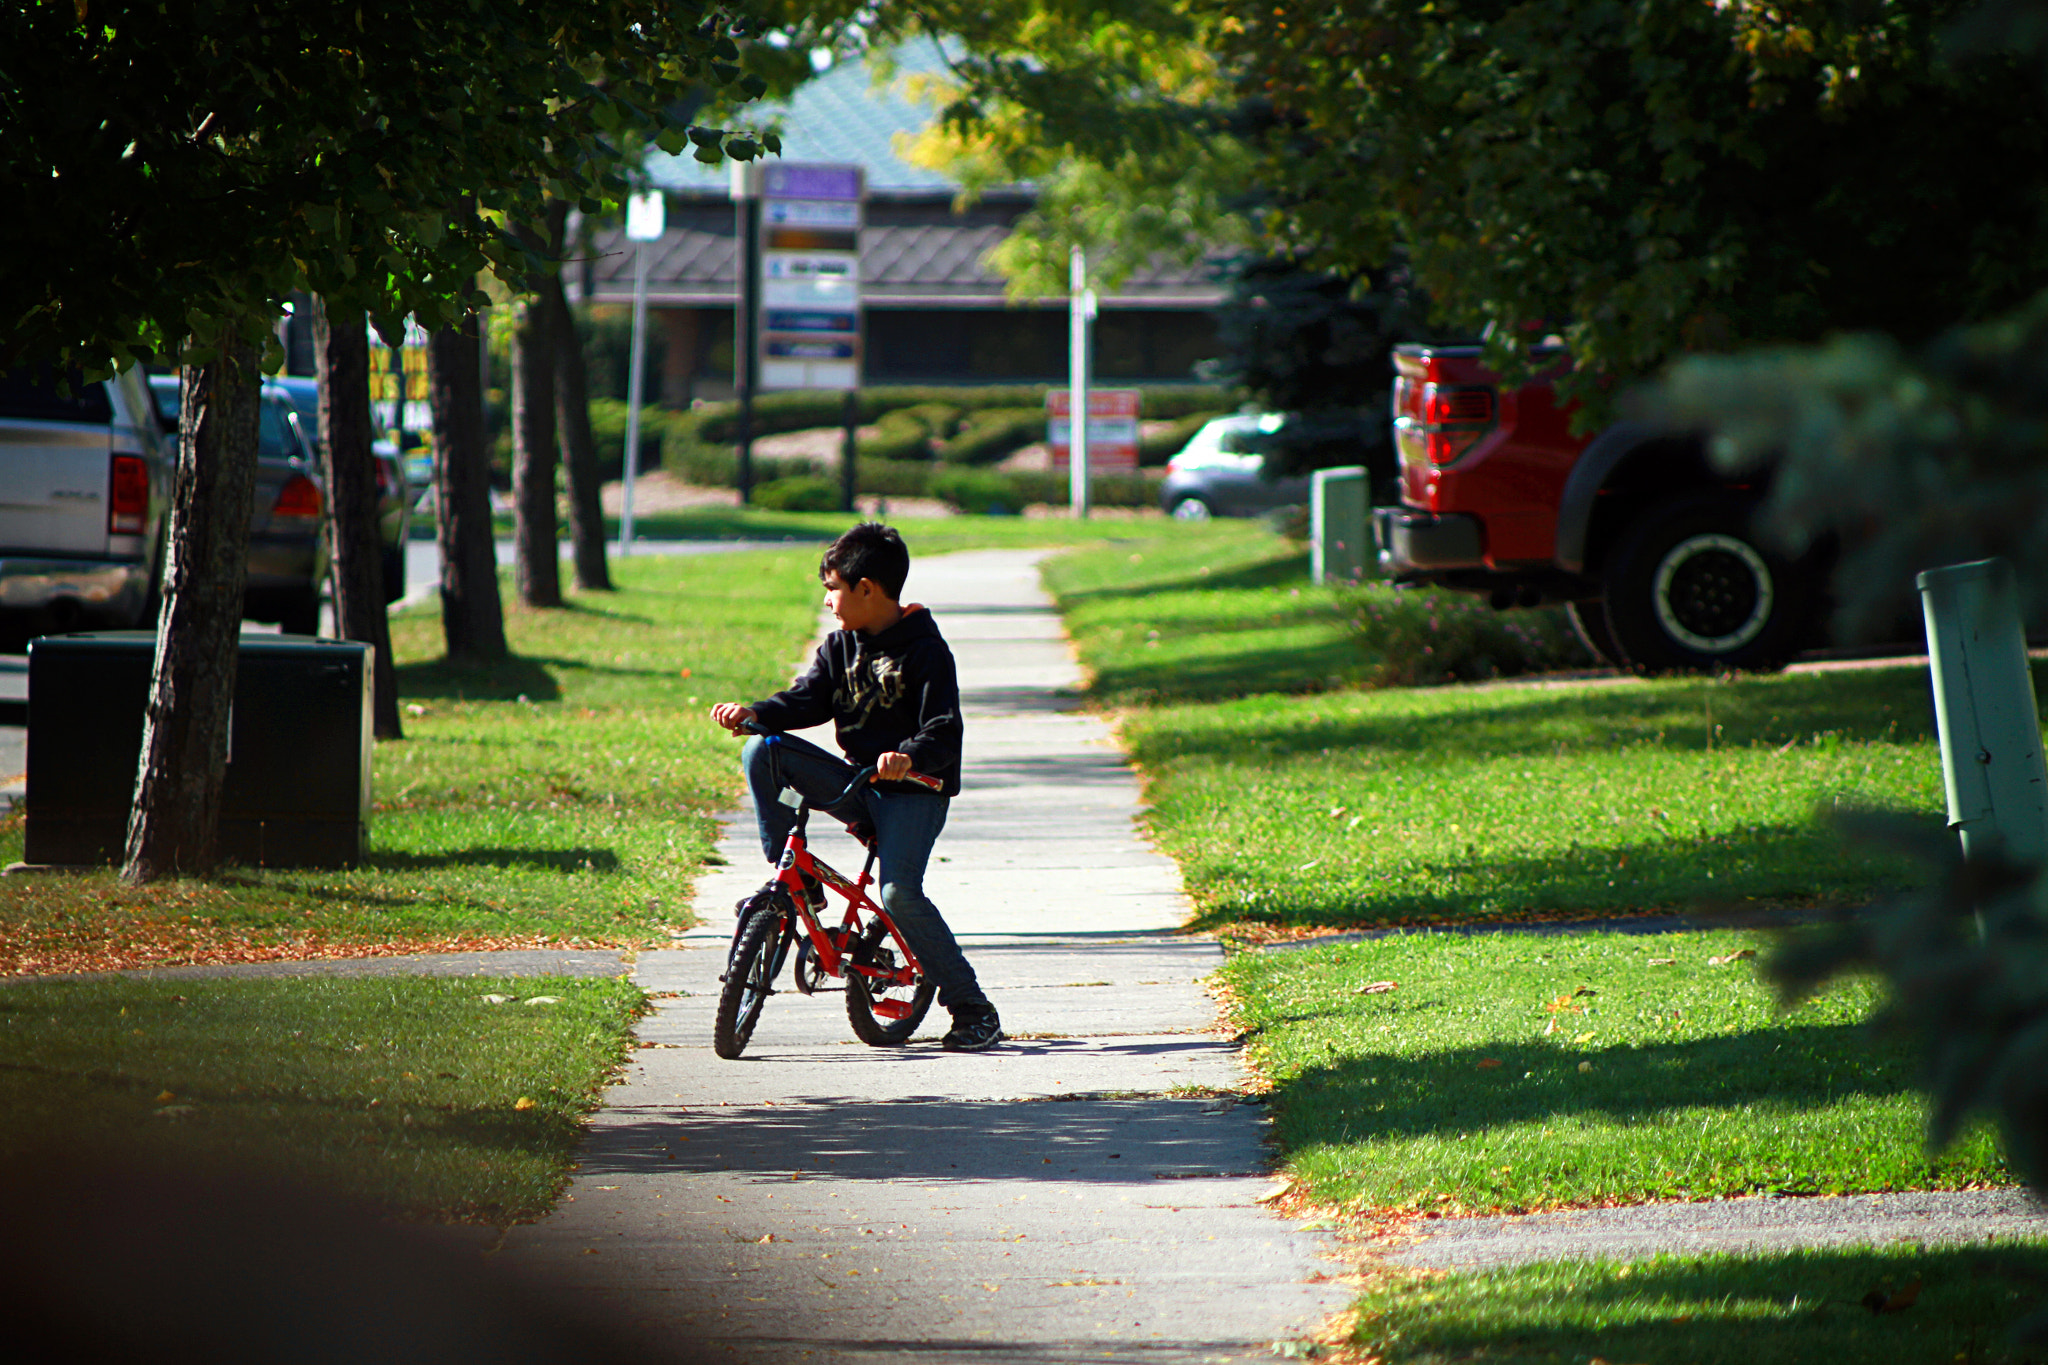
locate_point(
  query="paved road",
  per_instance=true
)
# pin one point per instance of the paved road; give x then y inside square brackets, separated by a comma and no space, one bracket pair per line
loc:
[820,1200]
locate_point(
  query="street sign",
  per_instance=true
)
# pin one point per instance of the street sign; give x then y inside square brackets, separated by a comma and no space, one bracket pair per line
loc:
[1112,429]
[400,399]
[810,323]
[646,217]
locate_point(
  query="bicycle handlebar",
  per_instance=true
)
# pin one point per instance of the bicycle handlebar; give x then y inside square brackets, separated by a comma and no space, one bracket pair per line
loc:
[866,774]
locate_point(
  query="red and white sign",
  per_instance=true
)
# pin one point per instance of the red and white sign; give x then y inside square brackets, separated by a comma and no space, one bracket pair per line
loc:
[1112,429]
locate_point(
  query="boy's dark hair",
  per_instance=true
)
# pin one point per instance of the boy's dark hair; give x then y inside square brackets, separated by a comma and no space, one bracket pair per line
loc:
[869,550]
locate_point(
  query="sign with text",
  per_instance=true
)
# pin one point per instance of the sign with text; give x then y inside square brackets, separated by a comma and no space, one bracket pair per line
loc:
[400,400]
[1112,429]
[810,324]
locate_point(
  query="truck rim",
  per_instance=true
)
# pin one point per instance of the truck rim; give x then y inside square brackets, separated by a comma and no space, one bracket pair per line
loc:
[1713,593]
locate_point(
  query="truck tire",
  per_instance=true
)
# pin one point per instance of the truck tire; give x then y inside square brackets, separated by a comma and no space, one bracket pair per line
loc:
[1589,623]
[1691,589]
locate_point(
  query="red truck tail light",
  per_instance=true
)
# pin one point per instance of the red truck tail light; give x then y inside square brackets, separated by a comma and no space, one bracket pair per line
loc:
[128,505]
[300,497]
[1453,419]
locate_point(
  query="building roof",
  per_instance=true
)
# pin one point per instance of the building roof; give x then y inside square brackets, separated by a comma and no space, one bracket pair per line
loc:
[915,251]
[843,116]
[903,265]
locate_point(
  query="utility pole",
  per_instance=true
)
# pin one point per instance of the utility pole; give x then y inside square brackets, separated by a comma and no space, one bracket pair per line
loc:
[646,216]
[746,194]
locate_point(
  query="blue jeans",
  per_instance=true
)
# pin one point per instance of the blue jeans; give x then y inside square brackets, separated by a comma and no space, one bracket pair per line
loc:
[906,824]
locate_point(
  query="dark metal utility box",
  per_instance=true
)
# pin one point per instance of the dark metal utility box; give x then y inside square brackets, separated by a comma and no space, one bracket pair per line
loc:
[298,780]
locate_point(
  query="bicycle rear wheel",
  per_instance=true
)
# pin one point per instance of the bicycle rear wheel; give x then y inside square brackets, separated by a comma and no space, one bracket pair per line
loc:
[884,1013]
[749,977]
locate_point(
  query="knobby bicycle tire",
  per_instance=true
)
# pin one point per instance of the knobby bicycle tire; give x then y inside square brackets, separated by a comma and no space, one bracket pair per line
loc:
[878,1030]
[749,975]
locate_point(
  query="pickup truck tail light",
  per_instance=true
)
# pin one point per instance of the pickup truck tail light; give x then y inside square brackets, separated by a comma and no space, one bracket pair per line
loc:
[128,505]
[1453,419]
[300,497]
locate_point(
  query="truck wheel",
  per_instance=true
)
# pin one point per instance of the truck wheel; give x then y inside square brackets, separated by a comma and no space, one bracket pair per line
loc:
[1690,589]
[1589,623]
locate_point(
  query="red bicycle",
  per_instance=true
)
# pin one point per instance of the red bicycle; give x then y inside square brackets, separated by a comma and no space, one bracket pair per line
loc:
[887,994]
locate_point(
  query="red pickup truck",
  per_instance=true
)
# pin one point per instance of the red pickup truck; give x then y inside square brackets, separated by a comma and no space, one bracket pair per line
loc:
[1647,545]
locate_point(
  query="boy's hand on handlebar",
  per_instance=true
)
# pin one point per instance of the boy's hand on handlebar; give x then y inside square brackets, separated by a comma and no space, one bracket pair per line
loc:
[892,767]
[732,715]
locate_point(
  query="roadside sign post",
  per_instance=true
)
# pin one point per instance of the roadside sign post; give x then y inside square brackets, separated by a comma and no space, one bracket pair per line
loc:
[646,220]
[1106,443]
[1080,358]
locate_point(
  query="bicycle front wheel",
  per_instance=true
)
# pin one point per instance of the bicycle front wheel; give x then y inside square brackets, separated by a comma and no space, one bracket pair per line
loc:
[884,1013]
[749,977]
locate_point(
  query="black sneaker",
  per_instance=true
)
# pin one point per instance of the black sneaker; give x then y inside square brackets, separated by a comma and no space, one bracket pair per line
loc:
[975,1029]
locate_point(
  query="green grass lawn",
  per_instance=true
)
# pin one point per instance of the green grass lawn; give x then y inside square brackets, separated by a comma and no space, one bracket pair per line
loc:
[413,1094]
[1296,792]
[1516,1072]
[1786,1309]
[568,794]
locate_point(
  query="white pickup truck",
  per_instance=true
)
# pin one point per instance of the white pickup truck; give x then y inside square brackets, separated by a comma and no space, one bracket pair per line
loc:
[84,488]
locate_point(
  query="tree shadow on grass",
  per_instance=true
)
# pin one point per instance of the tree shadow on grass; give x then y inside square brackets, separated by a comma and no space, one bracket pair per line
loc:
[1230,673]
[1735,1309]
[1492,721]
[1727,873]
[1498,1084]
[460,680]
[530,859]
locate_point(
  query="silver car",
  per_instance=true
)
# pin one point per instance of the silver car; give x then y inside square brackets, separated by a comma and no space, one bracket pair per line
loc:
[1215,476]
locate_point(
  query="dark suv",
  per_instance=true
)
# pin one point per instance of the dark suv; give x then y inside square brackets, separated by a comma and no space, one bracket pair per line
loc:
[288,524]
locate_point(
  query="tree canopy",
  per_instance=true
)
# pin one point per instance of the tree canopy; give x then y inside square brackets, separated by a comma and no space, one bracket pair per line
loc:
[200,161]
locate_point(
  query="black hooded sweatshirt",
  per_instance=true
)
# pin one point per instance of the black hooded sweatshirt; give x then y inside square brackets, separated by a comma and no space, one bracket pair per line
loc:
[893,690]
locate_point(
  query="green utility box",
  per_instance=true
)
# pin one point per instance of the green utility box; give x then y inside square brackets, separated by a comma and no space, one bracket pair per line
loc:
[298,780]
[1339,524]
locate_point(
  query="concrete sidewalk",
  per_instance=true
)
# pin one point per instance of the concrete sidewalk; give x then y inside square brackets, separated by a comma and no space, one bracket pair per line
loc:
[820,1200]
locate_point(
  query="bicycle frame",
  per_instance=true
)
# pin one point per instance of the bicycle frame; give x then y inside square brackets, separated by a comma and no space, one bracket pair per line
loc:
[829,946]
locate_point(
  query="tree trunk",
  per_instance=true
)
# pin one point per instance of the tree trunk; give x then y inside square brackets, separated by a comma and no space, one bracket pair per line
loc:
[176,813]
[342,348]
[472,618]
[537,556]
[579,446]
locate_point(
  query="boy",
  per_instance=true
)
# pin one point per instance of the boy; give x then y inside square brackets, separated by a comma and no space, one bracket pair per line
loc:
[885,679]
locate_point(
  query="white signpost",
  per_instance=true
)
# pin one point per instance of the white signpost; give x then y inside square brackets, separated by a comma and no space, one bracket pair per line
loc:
[810,325]
[646,220]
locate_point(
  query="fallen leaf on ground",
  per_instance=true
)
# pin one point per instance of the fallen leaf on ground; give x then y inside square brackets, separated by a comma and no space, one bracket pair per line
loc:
[1663,961]
[545,1000]
[495,999]
[1377,987]
[1488,1063]
[522,1103]
[1740,956]
[1270,1195]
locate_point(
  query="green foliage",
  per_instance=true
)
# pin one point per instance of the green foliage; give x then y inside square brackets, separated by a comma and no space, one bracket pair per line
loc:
[1908,457]
[409,1094]
[905,434]
[1517,1072]
[1652,178]
[608,429]
[987,435]
[798,493]
[231,157]
[976,491]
